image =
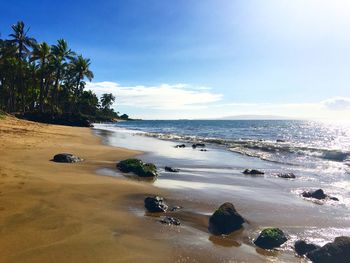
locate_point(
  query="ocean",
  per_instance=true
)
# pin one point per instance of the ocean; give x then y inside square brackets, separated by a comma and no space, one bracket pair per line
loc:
[318,153]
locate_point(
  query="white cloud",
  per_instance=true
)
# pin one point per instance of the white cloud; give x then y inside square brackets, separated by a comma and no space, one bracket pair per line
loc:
[164,97]
[337,103]
[182,101]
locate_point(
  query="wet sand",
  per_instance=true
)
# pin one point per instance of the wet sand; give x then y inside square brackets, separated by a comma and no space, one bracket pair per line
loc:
[51,212]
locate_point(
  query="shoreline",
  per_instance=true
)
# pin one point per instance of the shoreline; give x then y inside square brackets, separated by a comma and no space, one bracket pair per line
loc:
[208,179]
[66,212]
[74,213]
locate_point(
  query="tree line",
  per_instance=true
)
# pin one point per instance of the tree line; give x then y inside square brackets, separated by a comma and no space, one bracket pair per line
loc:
[47,79]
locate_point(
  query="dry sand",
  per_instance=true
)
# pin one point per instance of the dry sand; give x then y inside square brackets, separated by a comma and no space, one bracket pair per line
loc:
[52,212]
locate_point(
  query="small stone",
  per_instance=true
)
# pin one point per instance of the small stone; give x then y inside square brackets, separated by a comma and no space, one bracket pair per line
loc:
[252,172]
[171,169]
[175,208]
[286,175]
[170,221]
[195,145]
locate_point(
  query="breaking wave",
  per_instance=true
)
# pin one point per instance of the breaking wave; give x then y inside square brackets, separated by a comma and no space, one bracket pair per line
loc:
[276,151]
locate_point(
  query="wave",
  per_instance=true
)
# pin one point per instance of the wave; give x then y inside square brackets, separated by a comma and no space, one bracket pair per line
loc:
[276,151]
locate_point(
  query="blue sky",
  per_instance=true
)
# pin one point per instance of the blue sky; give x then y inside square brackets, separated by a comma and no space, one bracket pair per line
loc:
[208,58]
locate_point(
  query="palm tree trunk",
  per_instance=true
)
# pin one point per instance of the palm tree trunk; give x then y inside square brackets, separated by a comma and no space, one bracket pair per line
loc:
[41,96]
[55,92]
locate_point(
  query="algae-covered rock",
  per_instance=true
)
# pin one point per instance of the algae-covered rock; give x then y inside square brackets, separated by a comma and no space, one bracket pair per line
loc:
[138,167]
[270,238]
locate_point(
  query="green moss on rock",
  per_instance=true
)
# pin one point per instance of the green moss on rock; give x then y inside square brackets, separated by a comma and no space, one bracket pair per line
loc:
[137,167]
[270,238]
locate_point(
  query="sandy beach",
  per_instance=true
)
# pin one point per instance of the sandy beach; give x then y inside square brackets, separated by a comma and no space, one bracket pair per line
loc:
[51,212]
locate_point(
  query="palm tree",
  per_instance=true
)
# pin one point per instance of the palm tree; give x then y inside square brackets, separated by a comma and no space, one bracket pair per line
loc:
[21,39]
[107,100]
[42,53]
[80,68]
[61,54]
[22,42]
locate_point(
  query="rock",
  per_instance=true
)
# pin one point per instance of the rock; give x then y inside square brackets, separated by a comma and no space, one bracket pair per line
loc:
[203,150]
[172,170]
[180,146]
[302,248]
[138,167]
[333,198]
[170,221]
[66,158]
[225,220]
[270,238]
[318,194]
[252,172]
[155,204]
[175,208]
[195,145]
[286,175]
[337,251]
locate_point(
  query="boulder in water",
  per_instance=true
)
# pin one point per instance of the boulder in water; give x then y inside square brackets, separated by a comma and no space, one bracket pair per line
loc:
[138,167]
[252,172]
[302,248]
[155,204]
[66,158]
[318,194]
[225,220]
[171,169]
[270,238]
[337,251]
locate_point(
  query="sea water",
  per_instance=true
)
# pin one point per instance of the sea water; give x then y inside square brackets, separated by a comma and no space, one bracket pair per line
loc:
[318,153]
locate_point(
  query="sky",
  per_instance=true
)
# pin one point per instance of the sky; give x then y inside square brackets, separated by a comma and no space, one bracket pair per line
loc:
[205,58]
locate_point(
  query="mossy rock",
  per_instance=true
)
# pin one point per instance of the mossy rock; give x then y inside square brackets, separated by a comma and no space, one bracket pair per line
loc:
[270,238]
[138,167]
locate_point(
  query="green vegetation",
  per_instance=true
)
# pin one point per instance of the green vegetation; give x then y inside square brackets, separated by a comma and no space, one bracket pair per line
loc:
[270,238]
[44,82]
[272,232]
[138,167]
